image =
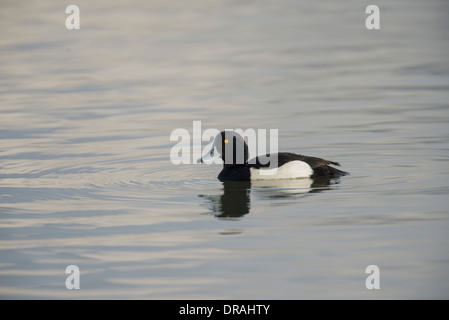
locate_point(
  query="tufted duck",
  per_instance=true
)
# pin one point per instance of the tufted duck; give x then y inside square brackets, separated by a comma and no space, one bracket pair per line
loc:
[288,165]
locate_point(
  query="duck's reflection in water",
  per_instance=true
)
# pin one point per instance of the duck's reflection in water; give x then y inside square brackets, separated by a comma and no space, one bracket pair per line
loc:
[235,201]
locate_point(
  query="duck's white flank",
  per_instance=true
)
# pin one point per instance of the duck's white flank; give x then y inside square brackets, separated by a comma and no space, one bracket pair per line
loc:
[291,170]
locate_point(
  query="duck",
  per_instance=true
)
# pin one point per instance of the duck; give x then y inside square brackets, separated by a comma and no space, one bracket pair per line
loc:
[232,149]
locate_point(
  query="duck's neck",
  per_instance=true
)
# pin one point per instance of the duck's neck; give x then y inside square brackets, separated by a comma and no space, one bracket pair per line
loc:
[227,166]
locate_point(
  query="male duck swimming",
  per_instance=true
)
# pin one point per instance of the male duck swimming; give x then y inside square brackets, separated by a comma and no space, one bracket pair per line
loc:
[233,150]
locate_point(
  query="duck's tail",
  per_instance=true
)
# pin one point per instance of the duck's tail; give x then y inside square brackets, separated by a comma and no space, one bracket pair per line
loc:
[336,172]
[327,170]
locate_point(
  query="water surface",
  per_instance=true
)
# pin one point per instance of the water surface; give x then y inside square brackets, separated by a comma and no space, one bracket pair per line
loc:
[85,170]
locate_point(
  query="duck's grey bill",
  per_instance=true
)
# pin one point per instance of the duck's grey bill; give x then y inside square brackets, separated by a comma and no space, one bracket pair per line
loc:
[210,155]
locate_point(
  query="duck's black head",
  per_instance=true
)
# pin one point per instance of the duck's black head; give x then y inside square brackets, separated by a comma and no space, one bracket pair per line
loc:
[230,147]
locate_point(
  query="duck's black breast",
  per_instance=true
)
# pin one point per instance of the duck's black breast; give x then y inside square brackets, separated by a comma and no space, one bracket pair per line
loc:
[235,173]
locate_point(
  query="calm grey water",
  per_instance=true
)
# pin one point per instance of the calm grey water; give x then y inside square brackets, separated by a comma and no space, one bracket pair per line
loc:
[85,171]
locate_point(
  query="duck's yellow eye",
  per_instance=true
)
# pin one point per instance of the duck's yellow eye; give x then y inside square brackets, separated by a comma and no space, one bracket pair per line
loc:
[226,141]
